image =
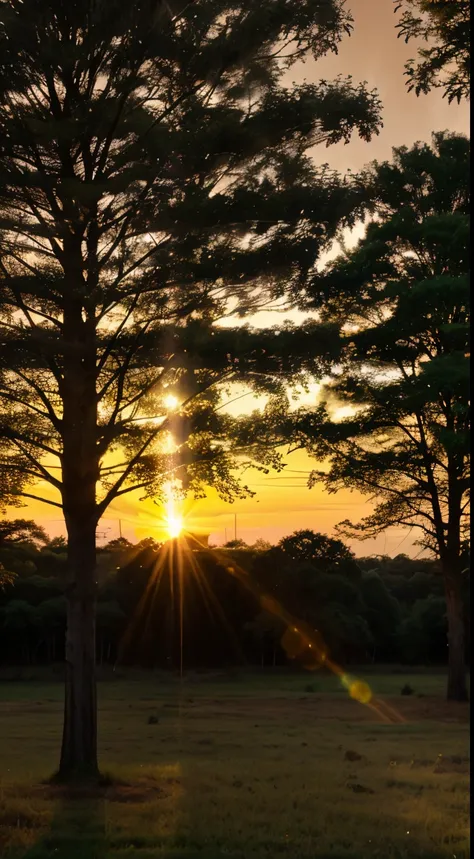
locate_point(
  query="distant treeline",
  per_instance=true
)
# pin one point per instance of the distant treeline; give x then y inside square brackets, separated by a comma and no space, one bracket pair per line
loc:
[177,605]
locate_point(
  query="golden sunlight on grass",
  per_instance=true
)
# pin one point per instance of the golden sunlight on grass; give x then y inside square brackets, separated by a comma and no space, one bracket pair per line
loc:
[251,767]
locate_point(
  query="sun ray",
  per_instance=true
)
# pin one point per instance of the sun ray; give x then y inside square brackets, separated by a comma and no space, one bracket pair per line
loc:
[211,601]
[311,640]
[178,556]
[144,609]
[173,518]
[180,569]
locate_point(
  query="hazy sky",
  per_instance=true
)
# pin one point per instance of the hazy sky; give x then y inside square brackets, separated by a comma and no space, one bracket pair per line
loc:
[374,54]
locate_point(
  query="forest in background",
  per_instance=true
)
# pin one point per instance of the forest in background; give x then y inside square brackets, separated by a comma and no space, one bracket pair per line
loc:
[179,606]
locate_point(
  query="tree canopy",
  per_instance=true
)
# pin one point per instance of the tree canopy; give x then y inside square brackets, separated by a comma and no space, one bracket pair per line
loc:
[324,552]
[401,299]
[446,62]
[154,178]
[393,612]
[21,531]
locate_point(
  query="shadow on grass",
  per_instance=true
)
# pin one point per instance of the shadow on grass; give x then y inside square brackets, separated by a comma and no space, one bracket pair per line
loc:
[83,826]
[77,829]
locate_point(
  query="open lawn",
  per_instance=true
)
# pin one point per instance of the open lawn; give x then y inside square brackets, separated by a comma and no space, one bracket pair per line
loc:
[245,768]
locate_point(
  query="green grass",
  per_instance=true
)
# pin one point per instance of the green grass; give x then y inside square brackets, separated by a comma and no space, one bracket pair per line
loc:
[247,768]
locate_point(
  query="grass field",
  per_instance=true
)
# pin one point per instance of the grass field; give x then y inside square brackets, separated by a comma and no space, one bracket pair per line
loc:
[245,768]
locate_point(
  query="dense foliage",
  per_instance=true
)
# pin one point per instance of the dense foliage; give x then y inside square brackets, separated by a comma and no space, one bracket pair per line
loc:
[401,301]
[154,178]
[369,610]
[445,61]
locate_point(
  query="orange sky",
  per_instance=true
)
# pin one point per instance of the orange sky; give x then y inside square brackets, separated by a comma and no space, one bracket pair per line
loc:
[283,504]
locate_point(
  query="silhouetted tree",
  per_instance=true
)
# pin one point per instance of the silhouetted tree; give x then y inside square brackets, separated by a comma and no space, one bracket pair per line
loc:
[153,178]
[325,553]
[21,531]
[383,615]
[402,299]
[422,634]
[220,621]
[6,577]
[446,62]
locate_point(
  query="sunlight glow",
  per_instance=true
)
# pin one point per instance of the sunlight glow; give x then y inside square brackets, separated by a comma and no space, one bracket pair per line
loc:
[174,525]
[168,443]
[173,519]
[171,402]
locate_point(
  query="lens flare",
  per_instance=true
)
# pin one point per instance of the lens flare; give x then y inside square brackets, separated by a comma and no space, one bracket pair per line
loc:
[299,639]
[358,690]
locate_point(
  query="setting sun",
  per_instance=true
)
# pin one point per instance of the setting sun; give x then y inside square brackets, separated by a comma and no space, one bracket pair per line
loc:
[173,519]
[174,525]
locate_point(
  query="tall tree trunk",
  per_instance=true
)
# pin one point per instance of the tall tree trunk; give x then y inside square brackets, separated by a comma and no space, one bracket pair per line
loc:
[80,473]
[452,571]
[79,743]
[457,686]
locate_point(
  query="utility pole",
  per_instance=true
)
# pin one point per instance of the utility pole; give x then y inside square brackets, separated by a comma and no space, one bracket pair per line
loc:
[102,534]
[225,535]
[235,526]
[120,528]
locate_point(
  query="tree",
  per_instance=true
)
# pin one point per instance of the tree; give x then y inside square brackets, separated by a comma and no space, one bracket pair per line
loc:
[261,545]
[51,620]
[236,544]
[325,553]
[316,579]
[153,177]
[402,299]
[422,633]
[19,620]
[447,62]
[20,531]
[6,578]
[58,545]
[316,593]
[120,544]
[110,620]
[395,608]
[382,614]
[266,630]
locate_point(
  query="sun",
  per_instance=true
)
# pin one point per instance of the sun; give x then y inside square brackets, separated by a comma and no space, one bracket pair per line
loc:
[174,525]
[174,522]
[171,402]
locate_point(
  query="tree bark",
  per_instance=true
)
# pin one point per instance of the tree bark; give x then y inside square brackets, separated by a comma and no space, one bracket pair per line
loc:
[79,743]
[457,686]
[80,472]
